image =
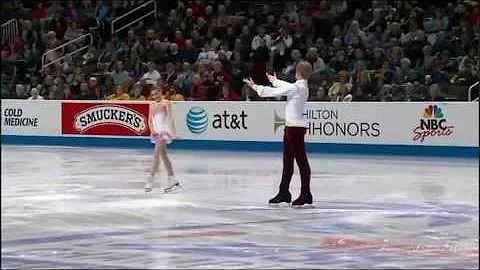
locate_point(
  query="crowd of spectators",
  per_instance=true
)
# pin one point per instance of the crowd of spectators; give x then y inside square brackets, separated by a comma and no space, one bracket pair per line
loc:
[201,50]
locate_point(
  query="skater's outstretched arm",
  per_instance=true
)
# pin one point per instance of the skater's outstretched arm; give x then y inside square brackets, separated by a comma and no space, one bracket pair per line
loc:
[283,88]
[277,82]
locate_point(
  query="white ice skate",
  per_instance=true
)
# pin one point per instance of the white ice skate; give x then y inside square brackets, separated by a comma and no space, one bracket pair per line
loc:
[149,184]
[172,184]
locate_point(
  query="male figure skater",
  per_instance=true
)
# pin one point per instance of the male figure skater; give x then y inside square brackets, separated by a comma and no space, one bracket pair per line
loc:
[295,129]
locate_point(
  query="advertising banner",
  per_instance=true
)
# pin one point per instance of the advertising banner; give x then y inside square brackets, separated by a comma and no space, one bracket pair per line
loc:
[223,121]
[402,123]
[105,118]
[394,123]
[31,117]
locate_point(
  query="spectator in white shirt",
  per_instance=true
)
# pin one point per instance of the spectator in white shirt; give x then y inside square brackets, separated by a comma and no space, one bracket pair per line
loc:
[260,38]
[152,76]
[119,75]
[295,129]
[34,95]
[280,45]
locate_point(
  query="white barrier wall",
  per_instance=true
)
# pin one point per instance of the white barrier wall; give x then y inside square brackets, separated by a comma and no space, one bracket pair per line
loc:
[414,123]
[25,117]
[451,124]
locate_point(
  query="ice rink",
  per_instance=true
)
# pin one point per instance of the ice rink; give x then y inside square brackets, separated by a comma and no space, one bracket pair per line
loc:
[66,207]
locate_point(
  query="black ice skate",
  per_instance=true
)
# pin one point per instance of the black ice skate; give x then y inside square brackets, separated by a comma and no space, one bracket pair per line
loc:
[281,197]
[303,199]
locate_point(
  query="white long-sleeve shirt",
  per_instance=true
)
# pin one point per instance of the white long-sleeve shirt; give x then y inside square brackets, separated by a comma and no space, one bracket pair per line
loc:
[297,96]
[282,44]
[152,78]
[257,40]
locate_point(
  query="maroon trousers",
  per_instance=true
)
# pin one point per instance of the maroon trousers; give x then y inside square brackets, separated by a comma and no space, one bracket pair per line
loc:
[294,148]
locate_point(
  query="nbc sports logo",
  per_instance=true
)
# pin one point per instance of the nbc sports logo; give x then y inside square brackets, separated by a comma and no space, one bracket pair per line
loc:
[433,123]
[433,118]
[433,111]
[197,120]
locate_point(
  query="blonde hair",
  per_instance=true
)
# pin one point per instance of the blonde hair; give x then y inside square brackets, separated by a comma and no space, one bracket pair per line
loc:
[304,69]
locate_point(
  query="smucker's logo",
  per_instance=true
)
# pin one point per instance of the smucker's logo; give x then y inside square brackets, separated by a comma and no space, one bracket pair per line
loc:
[110,115]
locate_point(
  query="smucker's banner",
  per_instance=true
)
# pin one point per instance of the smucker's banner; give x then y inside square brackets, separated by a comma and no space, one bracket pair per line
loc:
[97,118]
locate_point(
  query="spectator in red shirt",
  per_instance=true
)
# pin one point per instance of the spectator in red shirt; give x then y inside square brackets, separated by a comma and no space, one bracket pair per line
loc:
[67,93]
[474,17]
[6,49]
[198,91]
[198,8]
[39,12]
[19,45]
[228,93]
[220,74]
[179,39]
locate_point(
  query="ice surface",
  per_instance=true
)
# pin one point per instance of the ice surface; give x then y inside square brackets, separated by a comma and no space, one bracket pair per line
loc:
[68,207]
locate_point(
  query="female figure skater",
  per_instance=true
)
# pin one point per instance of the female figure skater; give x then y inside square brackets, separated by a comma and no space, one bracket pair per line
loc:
[295,129]
[162,129]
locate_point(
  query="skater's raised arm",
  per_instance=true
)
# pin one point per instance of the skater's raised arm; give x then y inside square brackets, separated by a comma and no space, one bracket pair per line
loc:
[266,91]
[277,82]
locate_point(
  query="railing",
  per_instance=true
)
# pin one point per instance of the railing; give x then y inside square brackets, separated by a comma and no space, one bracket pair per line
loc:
[44,56]
[154,12]
[96,27]
[10,30]
[470,90]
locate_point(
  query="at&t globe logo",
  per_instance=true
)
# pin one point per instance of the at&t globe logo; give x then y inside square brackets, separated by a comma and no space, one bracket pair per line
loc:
[197,120]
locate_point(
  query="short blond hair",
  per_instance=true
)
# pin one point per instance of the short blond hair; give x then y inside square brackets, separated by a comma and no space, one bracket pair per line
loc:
[304,69]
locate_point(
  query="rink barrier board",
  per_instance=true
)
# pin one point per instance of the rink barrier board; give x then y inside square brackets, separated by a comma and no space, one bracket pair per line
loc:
[253,126]
[327,148]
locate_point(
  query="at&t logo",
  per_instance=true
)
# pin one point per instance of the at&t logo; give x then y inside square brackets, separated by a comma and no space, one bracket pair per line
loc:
[197,120]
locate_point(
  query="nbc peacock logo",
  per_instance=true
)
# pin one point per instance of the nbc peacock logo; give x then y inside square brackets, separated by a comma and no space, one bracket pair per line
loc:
[433,123]
[197,120]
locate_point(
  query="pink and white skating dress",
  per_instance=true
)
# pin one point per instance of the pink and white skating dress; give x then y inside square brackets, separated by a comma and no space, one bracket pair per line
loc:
[161,128]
